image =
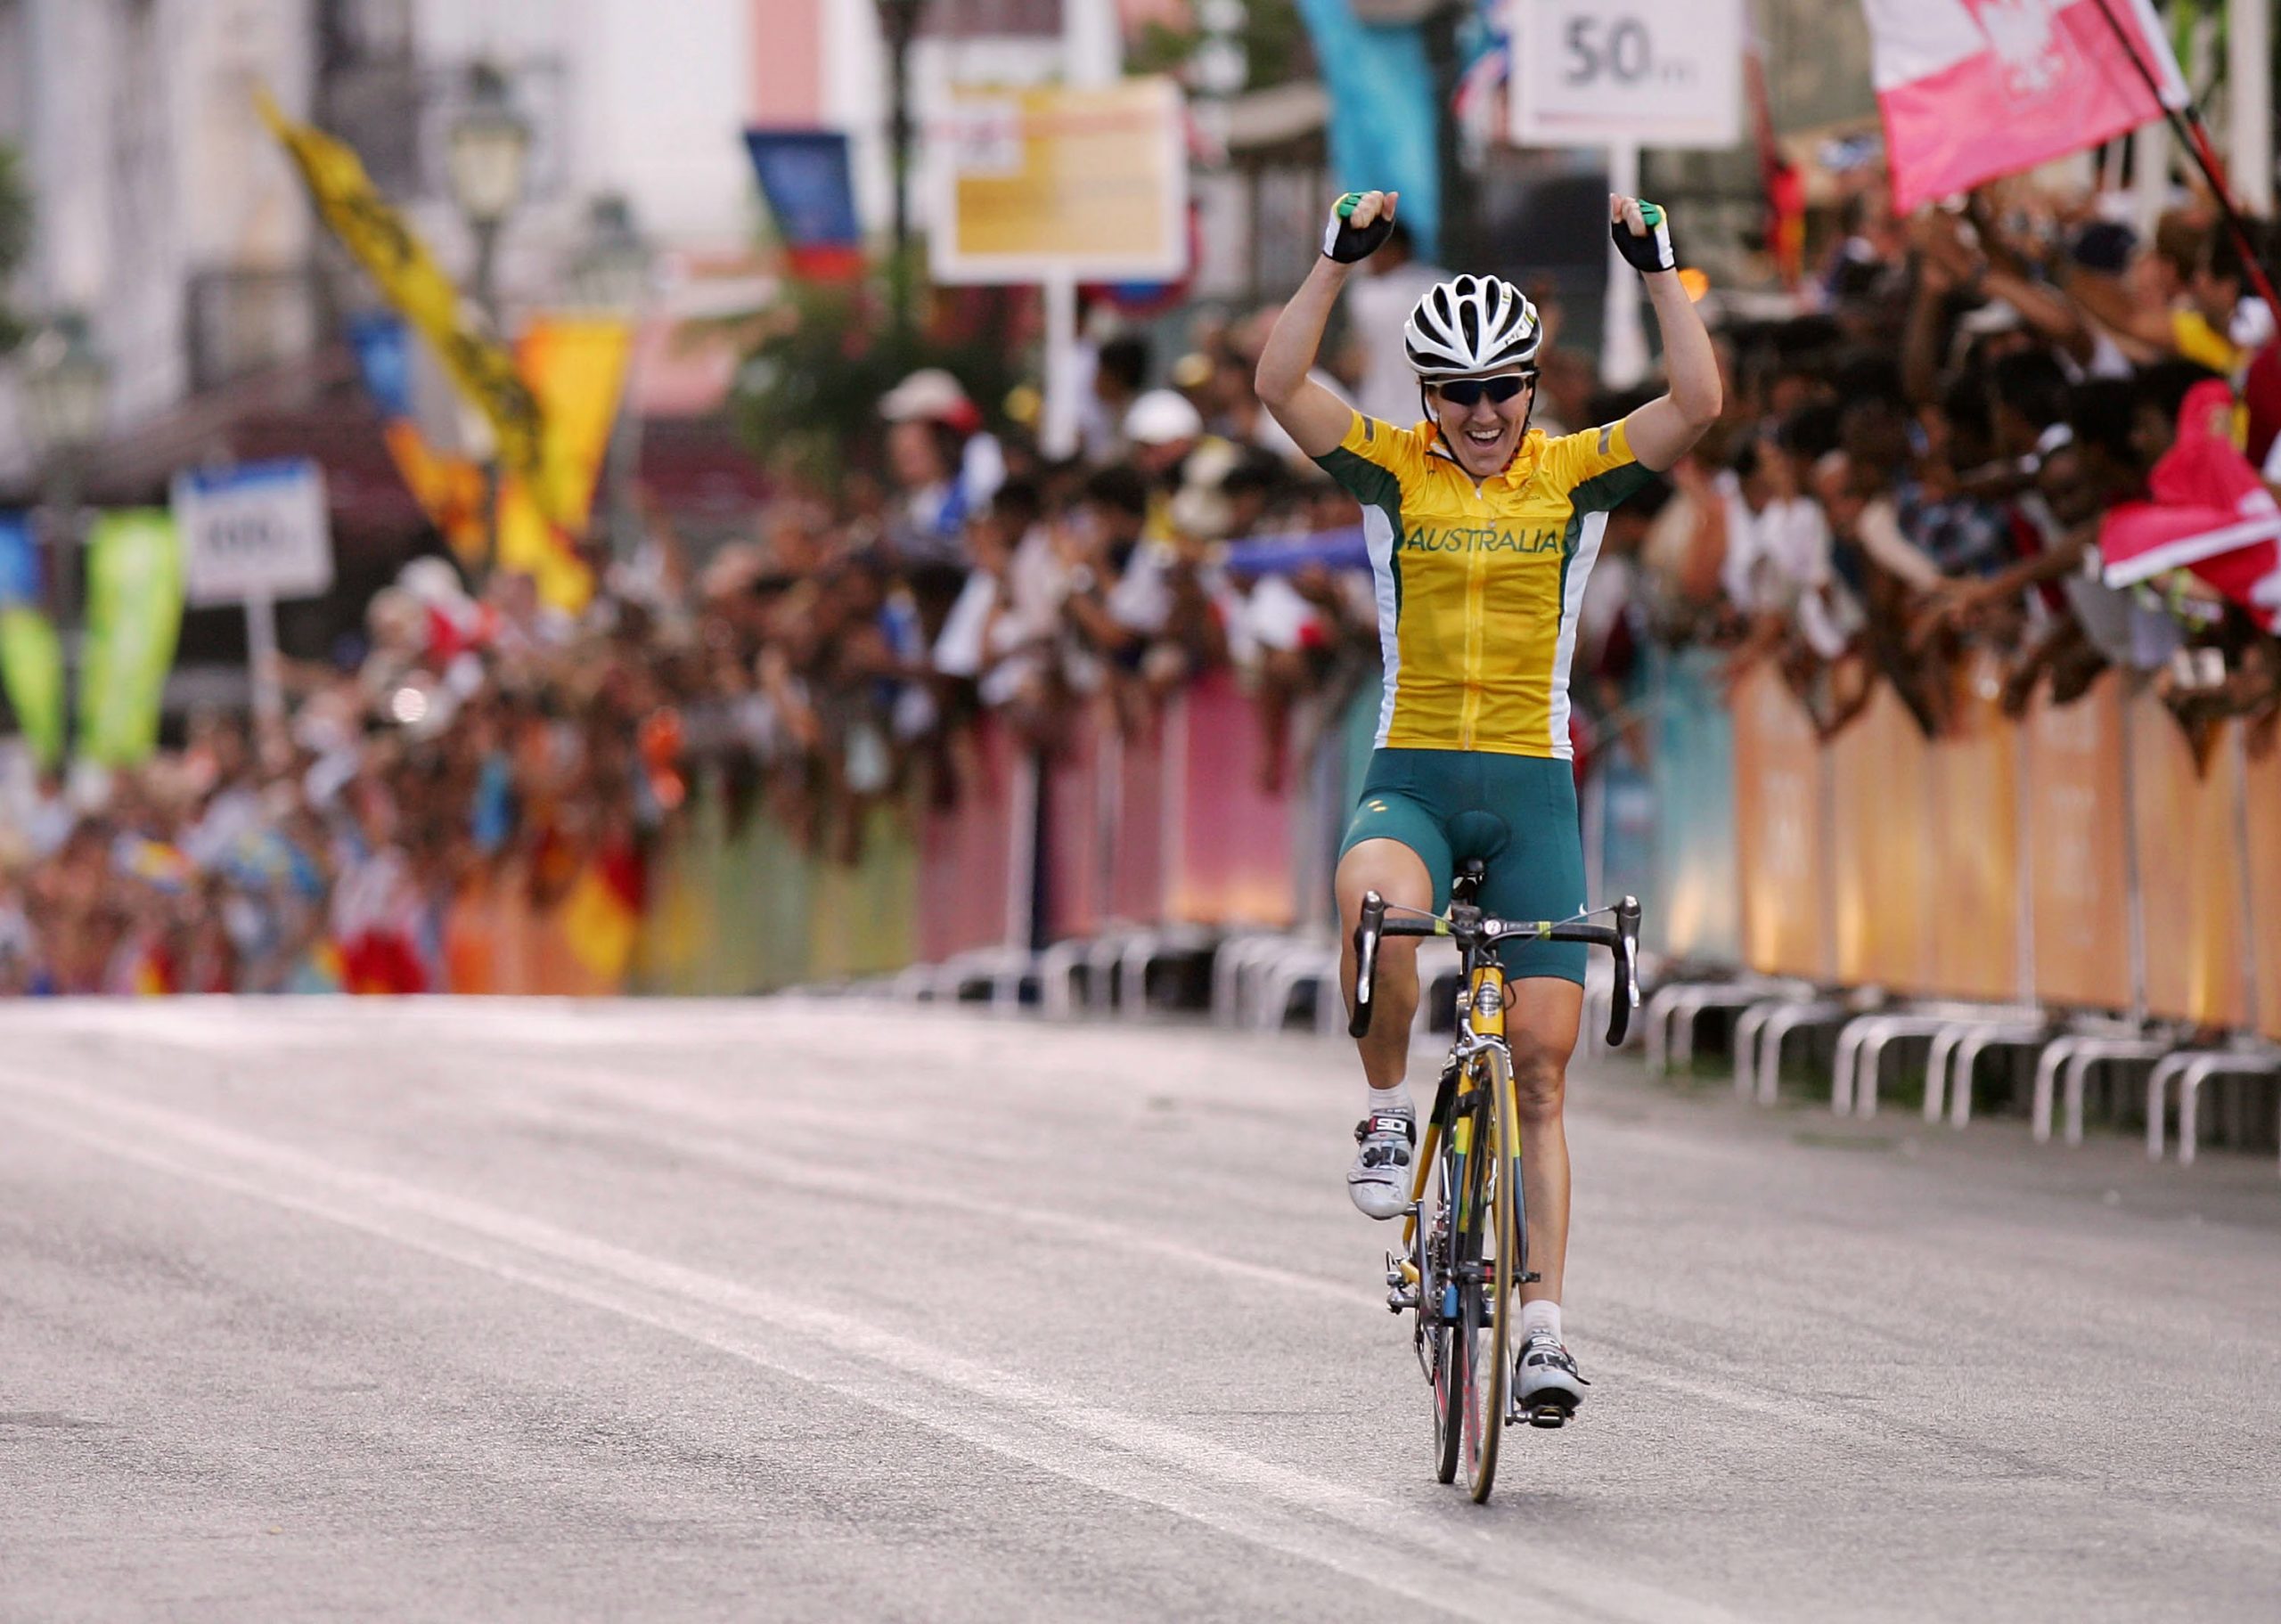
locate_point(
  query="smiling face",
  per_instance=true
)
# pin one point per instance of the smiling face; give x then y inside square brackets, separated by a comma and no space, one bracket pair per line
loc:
[1484,435]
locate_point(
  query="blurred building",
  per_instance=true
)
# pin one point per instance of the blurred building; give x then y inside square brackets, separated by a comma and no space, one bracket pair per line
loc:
[163,209]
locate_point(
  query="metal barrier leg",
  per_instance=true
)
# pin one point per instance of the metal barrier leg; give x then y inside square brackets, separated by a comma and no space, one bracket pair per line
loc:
[1057,972]
[2046,1076]
[1868,1060]
[1778,1029]
[2157,1092]
[1966,1057]
[2198,1071]
[2075,1079]
[1840,1076]
[1656,1020]
[1686,1013]
[1750,1026]
[1227,970]
[1945,1044]
[1132,974]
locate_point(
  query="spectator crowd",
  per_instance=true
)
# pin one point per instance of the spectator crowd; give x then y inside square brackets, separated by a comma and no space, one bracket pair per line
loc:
[1909,479]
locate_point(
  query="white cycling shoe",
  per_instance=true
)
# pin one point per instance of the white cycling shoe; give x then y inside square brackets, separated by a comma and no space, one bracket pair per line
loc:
[1378,1180]
[1549,1389]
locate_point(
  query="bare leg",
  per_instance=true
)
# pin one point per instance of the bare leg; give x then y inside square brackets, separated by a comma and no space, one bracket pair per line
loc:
[1540,1025]
[1397,874]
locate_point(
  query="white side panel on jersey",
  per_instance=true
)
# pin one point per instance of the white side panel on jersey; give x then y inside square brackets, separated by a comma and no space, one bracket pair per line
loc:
[1571,606]
[1378,537]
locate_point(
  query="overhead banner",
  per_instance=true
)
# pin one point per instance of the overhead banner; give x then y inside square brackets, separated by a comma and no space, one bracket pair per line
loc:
[1972,89]
[1383,124]
[809,184]
[414,284]
[31,668]
[1058,181]
[31,656]
[259,530]
[19,571]
[134,601]
[1650,73]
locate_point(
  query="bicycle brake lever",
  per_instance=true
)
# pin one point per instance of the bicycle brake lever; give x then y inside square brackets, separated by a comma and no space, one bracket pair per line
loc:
[1626,998]
[1366,962]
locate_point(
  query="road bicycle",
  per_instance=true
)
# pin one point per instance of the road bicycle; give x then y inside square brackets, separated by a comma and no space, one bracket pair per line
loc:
[1464,1251]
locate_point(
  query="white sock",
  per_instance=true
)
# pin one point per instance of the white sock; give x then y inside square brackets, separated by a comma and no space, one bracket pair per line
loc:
[1395,1099]
[1539,1317]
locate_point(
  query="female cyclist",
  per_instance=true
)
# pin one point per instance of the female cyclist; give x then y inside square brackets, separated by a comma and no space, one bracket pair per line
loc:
[1482,531]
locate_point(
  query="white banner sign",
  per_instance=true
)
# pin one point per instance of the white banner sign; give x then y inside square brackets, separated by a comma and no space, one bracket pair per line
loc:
[1651,73]
[256,531]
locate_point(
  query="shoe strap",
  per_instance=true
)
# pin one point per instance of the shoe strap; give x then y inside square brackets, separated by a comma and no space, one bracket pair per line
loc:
[1387,1122]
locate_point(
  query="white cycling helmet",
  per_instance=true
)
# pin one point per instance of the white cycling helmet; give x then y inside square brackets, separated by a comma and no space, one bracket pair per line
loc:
[1469,326]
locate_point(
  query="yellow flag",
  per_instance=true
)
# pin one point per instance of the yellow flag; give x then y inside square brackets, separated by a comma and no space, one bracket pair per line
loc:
[415,285]
[577,367]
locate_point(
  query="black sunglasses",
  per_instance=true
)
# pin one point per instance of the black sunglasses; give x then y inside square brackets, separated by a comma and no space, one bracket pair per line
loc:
[1467,391]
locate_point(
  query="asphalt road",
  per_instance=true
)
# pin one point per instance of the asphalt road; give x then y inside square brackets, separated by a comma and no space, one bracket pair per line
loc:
[773,1310]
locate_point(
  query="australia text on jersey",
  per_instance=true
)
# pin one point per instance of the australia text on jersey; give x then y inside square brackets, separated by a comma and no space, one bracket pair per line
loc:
[1482,538]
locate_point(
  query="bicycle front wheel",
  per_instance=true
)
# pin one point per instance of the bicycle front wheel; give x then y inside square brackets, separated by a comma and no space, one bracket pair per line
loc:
[1438,1299]
[1491,1247]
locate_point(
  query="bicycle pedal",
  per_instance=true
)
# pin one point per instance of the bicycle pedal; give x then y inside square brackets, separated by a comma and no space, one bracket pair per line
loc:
[1547,1415]
[1531,1278]
[1401,1300]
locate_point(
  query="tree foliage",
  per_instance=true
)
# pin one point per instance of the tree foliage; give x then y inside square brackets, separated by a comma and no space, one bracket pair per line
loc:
[15,237]
[817,361]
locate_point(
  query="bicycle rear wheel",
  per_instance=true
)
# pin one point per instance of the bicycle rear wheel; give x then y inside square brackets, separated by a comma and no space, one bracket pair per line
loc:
[1493,1265]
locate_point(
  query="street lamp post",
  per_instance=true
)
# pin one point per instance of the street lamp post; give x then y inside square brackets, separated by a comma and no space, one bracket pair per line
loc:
[489,148]
[899,21]
[67,397]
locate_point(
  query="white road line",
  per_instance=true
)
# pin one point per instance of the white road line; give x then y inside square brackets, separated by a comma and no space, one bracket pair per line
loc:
[1239,1494]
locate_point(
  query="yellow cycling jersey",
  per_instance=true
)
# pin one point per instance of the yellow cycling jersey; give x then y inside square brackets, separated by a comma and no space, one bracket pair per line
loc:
[1479,585]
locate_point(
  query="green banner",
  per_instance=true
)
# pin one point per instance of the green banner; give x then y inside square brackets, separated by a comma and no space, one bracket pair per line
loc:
[31,669]
[133,617]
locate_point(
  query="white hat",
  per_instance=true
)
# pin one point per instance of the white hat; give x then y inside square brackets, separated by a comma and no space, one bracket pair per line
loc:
[929,394]
[1162,417]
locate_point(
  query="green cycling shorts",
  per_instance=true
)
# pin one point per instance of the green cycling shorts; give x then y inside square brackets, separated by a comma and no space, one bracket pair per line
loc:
[1516,814]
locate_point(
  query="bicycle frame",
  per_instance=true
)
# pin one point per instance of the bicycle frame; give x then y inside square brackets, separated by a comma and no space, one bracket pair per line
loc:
[1482,1002]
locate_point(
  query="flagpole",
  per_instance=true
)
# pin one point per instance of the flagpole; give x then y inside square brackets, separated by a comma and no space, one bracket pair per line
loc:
[2188,127]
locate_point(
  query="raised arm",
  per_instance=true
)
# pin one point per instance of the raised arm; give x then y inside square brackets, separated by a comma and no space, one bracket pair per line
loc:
[1310,414]
[1667,427]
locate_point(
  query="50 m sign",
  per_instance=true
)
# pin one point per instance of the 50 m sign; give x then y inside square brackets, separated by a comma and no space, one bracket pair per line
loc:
[1658,73]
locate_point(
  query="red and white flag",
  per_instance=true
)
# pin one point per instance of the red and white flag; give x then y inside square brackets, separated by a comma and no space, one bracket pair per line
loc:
[1972,89]
[2210,513]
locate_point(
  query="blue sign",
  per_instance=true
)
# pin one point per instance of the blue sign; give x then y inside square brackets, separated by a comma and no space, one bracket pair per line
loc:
[383,347]
[20,579]
[1285,555]
[810,188]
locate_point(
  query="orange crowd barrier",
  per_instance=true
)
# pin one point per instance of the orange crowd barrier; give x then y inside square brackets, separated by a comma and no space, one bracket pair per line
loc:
[2262,793]
[1781,826]
[2079,858]
[2085,858]
[2193,887]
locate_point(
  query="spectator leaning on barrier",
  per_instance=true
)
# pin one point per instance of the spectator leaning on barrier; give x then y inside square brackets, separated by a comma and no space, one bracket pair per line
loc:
[945,467]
